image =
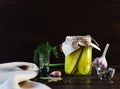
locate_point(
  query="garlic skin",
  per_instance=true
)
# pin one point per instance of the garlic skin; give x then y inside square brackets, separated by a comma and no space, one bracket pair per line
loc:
[101,61]
[56,74]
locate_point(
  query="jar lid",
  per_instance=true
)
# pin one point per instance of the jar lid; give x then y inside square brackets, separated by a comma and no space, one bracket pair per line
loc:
[73,43]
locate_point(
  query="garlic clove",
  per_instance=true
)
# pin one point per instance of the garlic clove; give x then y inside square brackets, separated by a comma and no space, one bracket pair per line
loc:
[56,74]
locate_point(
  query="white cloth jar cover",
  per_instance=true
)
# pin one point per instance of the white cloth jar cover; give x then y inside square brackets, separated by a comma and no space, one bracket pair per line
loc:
[17,75]
[72,43]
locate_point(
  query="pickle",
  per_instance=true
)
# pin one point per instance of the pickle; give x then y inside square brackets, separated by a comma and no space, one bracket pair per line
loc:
[71,60]
[85,62]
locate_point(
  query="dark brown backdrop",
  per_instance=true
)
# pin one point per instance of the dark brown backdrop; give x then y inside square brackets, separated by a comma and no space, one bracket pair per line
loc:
[24,24]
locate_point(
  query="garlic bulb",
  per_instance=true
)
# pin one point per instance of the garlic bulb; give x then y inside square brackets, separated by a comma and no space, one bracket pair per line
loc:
[101,61]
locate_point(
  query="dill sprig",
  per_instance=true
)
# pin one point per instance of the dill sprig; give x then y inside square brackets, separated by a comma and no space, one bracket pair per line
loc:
[43,49]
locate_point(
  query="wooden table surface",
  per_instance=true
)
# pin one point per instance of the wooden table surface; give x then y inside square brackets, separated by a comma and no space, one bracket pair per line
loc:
[89,82]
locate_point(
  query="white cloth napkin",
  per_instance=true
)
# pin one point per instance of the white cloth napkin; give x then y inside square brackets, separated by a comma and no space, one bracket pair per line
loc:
[17,75]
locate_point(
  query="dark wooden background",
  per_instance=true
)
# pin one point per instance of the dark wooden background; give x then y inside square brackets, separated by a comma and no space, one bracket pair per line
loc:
[26,23]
